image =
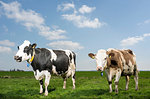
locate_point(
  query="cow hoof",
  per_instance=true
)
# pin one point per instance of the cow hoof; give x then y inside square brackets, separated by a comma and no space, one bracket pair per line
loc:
[64,87]
[126,89]
[110,91]
[73,88]
[46,94]
[116,91]
[40,93]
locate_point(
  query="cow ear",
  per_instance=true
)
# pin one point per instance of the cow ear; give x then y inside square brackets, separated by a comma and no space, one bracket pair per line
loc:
[34,45]
[111,55]
[91,55]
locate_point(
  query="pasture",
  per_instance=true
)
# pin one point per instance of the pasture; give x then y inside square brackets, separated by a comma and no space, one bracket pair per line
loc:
[89,84]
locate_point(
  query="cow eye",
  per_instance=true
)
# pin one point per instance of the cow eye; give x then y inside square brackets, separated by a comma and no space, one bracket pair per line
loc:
[105,58]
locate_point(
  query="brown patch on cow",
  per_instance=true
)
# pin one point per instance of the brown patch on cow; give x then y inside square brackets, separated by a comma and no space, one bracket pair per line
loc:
[128,56]
[114,59]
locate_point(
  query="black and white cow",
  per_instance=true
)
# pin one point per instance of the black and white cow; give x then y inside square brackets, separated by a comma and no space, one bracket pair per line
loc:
[46,62]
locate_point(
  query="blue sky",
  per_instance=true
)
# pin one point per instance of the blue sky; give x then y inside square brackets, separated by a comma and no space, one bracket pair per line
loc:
[83,26]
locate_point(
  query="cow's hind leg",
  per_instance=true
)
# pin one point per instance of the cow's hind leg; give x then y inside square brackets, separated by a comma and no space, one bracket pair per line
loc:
[41,86]
[73,79]
[118,74]
[127,82]
[136,80]
[47,79]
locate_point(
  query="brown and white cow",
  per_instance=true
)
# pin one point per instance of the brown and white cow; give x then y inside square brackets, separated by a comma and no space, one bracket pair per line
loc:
[116,63]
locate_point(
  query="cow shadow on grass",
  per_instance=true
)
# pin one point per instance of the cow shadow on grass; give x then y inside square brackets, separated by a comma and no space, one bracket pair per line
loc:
[51,89]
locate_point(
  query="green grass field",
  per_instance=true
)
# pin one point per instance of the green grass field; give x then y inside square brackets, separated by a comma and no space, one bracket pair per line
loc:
[89,84]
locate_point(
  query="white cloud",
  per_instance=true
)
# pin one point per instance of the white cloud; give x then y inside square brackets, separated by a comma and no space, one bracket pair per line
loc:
[81,20]
[7,43]
[133,40]
[65,45]
[146,35]
[5,49]
[65,6]
[30,19]
[145,22]
[86,9]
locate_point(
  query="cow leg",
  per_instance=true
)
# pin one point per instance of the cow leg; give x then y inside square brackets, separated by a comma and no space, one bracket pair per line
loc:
[127,82]
[109,78]
[136,80]
[118,74]
[41,86]
[64,86]
[47,79]
[73,79]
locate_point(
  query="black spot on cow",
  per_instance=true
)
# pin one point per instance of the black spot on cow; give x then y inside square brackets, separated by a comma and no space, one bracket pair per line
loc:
[42,60]
[109,82]
[62,61]
[113,62]
[74,76]
[70,57]
[41,82]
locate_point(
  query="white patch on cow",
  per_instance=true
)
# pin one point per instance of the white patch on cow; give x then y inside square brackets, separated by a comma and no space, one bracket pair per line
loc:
[69,72]
[54,70]
[68,52]
[21,53]
[101,58]
[130,63]
[53,55]
[40,75]
[72,64]
[26,43]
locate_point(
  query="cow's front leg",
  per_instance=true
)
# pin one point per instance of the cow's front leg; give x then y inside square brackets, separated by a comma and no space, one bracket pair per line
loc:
[41,86]
[109,78]
[127,82]
[47,79]
[118,74]
[64,86]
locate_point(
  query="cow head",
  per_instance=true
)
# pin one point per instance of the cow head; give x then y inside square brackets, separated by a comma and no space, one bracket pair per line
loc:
[25,51]
[101,59]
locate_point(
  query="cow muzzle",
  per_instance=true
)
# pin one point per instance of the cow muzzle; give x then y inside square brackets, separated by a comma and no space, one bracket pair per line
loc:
[99,68]
[17,58]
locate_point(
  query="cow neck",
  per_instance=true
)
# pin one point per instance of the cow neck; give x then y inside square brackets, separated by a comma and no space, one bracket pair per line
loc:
[30,61]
